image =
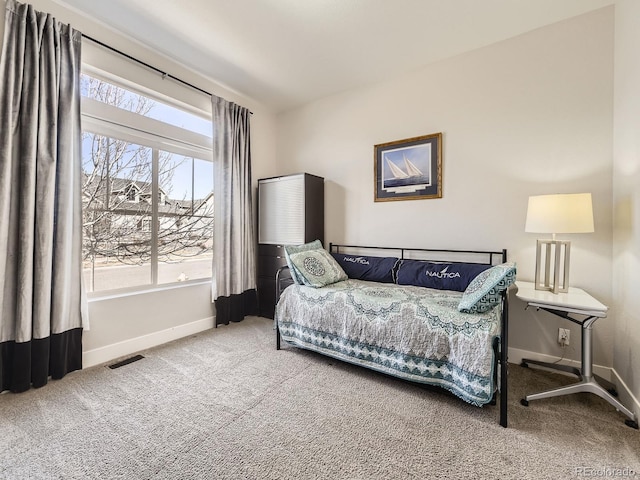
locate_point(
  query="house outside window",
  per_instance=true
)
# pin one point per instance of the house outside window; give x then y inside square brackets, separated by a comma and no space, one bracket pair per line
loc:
[143,162]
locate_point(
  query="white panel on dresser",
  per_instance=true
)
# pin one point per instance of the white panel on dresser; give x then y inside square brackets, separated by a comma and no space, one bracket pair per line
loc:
[282,207]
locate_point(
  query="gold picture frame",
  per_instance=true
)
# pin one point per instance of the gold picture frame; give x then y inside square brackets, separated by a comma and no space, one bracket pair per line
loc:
[409,169]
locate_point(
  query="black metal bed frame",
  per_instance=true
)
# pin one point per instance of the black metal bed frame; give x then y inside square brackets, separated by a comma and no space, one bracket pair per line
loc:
[500,347]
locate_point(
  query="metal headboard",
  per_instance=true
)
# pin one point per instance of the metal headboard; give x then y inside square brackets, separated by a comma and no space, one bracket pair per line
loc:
[483,257]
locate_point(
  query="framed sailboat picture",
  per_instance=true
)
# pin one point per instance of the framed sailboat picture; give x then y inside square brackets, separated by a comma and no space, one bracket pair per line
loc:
[409,169]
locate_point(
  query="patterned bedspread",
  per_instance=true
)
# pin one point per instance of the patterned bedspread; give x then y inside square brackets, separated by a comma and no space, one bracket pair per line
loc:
[410,332]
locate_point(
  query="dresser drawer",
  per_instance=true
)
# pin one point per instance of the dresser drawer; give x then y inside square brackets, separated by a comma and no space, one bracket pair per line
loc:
[271,250]
[267,290]
[268,266]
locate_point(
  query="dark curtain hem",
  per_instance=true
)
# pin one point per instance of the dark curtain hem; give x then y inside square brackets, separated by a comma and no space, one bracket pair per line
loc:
[30,364]
[235,307]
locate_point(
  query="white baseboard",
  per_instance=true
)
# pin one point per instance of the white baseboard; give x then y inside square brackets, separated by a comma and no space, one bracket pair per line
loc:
[624,393]
[100,355]
[516,355]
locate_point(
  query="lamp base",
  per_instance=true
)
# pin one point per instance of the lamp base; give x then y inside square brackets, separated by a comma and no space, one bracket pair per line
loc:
[559,250]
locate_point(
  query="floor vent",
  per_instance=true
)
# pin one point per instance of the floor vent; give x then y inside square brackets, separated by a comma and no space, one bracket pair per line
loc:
[127,361]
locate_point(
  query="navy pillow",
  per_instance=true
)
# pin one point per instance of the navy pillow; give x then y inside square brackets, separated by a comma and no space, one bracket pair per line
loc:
[361,267]
[442,276]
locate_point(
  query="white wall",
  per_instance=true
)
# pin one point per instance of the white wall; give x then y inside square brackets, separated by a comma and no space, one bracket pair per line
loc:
[626,195]
[120,326]
[530,115]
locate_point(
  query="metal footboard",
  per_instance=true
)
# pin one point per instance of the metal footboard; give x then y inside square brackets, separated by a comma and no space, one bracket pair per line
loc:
[504,367]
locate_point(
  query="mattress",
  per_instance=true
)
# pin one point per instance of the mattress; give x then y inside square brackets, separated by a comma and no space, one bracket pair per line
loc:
[414,333]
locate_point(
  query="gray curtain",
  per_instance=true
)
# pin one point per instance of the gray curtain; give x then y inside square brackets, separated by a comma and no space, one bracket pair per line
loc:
[234,244]
[41,300]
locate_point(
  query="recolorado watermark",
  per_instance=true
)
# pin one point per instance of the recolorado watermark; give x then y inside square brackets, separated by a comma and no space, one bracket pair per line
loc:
[605,472]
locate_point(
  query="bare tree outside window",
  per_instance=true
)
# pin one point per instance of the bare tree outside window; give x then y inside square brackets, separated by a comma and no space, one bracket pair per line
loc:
[122,240]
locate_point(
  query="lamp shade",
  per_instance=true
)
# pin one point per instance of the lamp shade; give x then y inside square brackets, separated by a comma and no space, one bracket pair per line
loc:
[564,213]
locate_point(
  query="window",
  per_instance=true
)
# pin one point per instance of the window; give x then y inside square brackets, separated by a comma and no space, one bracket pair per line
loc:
[147,189]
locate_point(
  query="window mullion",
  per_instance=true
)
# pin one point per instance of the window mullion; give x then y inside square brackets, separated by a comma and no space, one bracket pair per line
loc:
[193,185]
[155,223]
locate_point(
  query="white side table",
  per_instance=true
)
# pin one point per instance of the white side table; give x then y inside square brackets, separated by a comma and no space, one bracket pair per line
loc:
[578,302]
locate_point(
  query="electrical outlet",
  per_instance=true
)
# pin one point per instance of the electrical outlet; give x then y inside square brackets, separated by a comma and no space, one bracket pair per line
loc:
[563,336]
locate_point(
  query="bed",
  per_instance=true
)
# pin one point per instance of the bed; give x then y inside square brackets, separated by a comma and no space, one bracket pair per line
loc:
[402,329]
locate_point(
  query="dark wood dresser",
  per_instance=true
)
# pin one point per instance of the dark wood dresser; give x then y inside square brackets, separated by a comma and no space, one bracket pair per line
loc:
[290,212]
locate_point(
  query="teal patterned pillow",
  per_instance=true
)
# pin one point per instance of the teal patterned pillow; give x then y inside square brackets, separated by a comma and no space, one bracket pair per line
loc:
[295,274]
[484,291]
[312,265]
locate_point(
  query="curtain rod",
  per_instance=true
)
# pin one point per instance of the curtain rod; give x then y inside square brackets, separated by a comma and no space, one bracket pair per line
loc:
[141,62]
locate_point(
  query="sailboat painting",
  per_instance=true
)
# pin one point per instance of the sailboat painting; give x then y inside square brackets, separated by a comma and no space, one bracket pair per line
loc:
[409,169]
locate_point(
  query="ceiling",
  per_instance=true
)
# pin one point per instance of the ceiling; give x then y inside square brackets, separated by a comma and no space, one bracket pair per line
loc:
[285,53]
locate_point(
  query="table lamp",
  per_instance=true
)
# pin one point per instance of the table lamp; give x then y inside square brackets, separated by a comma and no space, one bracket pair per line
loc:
[564,213]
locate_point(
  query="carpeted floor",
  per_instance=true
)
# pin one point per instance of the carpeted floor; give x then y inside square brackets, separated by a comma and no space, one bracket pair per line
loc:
[225,404]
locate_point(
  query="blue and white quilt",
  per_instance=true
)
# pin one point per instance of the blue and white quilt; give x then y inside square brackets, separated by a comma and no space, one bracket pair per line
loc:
[414,333]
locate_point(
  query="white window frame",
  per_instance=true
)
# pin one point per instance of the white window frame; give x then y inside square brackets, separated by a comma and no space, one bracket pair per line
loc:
[103,119]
